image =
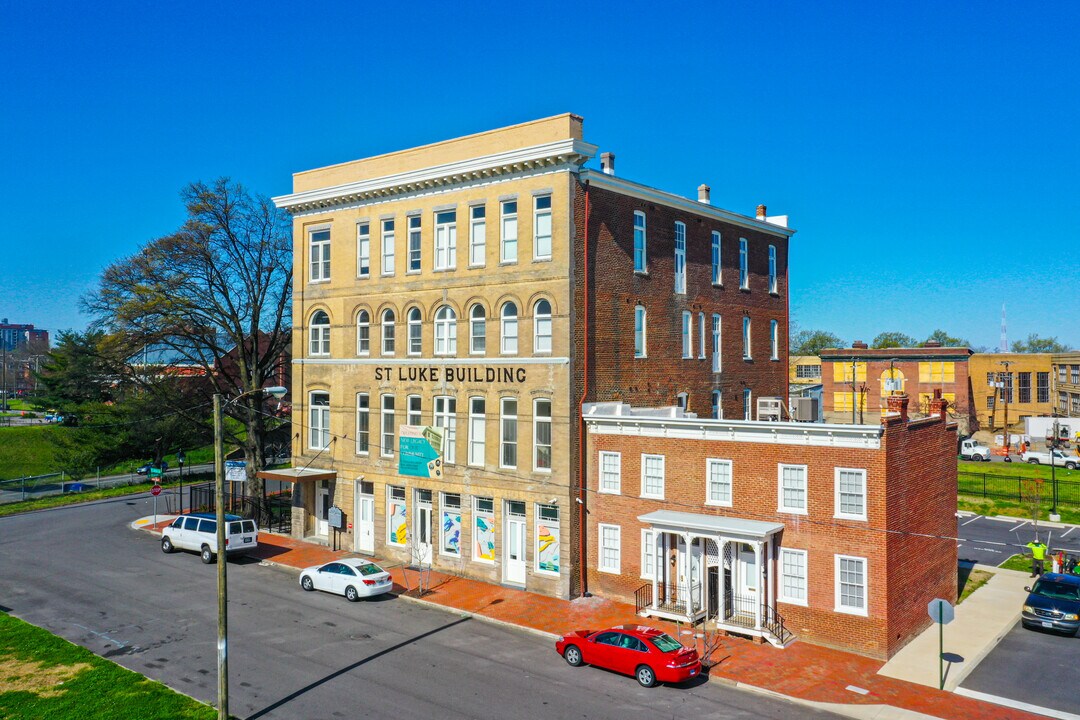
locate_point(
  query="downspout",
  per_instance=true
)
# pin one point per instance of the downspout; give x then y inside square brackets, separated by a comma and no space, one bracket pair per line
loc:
[581,408]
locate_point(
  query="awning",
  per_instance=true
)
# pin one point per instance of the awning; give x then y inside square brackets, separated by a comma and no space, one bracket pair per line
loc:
[672,521]
[292,475]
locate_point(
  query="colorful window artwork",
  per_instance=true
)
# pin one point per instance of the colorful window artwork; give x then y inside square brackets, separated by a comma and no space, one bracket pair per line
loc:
[547,538]
[397,522]
[451,524]
[484,530]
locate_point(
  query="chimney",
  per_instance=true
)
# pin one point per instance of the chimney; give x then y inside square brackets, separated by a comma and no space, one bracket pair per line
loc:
[932,343]
[898,405]
[859,345]
[703,193]
[938,404]
[761,213]
[607,162]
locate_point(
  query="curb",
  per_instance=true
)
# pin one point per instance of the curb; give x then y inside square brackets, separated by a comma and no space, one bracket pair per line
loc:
[482,618]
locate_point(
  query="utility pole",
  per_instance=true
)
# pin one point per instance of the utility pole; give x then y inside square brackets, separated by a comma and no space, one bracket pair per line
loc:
[1006,384]
[222,589]
[1051,446]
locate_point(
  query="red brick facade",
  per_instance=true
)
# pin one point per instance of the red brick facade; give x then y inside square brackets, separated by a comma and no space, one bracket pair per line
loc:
[910,488]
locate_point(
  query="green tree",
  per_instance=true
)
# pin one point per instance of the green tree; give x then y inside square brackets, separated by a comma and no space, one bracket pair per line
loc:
[217,293]
[811,342]
[945,340]
[892,339]
[76,372]
[1036,344]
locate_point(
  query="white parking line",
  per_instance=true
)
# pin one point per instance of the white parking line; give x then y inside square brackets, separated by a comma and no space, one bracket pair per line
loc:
[977,517]
[1016,704]
[1002,519]
[1026,522]
[1067,532]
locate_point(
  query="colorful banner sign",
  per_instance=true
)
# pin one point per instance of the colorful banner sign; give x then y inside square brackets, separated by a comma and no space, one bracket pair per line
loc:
[420,451]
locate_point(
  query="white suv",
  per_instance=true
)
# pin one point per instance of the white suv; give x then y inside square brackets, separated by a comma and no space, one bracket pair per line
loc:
[198,531]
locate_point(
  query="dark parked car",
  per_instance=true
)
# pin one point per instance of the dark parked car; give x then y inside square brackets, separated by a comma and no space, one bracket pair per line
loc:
[144,469]
[1053,604]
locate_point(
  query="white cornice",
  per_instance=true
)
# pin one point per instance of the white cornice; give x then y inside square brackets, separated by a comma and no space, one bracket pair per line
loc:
[557,153]
[643,192]
[777,433]
[428,361]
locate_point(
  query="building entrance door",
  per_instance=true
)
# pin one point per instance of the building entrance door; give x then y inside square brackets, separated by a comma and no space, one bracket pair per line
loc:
[322,509]
[514,553]
[422,551]
[365,520]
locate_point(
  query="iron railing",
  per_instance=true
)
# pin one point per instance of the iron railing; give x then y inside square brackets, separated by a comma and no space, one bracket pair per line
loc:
[773,622]
[1008,487]
[643,598]
[272,513]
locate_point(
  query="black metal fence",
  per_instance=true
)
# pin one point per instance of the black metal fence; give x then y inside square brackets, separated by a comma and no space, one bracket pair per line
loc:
[273,512]
[1005,487]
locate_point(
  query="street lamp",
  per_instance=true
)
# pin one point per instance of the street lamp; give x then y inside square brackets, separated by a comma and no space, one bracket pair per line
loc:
[1051,446]
[222,588]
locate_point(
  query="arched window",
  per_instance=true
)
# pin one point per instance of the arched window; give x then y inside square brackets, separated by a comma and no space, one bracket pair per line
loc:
[509,330]
[415,330]
[477,329]
[542,327]
[388,332]
[445,331]
[319,334]
[363,333]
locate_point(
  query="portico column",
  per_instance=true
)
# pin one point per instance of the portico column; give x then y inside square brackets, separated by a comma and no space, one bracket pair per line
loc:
[658,567]
[757,594]
[769,572]
[722,604]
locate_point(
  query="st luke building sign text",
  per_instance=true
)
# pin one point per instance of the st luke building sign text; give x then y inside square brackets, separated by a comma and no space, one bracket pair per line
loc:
[434,374]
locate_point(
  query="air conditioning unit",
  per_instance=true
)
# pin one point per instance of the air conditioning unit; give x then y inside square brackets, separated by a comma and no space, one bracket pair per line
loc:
[769,409]
[805,409]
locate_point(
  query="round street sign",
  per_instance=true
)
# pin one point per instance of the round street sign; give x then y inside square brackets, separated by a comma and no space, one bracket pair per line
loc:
[156,490]
[940,611]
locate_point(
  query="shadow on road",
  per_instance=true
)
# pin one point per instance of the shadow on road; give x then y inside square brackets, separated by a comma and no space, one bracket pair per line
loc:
[349,668]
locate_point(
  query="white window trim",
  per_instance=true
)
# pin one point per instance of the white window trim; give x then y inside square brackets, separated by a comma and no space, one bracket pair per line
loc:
[780,489]
[359,352]
[324,415]
[644,331]
[644,269]
[383,255]
[472,321]
[311,242]
[409,414]
[536,540]
[680,255]
[448,325]
[409,325]
[701,335]
[537,214]
[663,475]
[490,514]
[774,339]
[482,417]
[747,338]
[359,235]
[648,548]
[864,612]
[382,414]
[686,332]
[537,318]
[414,224]
[836,494]
[502,431]
[600,473]
[709,462]
[474,224]
[804,602]
[718,360]
[773,281]
[504,321]
[444,508]
[382,333]
[450,239]
[359,413]
[536,433]
[718,266]
[389,499]
[617,570]
[744,264]
[503,218]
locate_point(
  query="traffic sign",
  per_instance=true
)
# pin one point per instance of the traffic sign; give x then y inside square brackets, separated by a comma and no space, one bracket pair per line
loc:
[940,611]
[156,490]
[155,472]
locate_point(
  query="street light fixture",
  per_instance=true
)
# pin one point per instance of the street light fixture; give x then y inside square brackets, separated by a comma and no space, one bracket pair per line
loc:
[222,588]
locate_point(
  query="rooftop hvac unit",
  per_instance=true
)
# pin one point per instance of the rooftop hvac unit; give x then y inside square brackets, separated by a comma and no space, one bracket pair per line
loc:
[805,409]
[769,409]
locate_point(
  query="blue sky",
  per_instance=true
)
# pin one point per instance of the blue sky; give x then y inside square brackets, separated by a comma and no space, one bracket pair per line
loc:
[926,152]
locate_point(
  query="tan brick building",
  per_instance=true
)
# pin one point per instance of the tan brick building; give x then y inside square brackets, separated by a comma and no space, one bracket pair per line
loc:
[1025,387]
[1065,368]
[487,286]
[831,533]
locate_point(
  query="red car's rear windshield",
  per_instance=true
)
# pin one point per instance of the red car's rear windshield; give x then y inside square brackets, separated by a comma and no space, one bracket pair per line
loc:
[665,643]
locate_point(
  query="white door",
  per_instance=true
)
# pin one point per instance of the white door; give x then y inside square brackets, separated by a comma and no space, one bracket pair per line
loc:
[322,510]
[423,532]
[515,550]
[746,574]
[365,523]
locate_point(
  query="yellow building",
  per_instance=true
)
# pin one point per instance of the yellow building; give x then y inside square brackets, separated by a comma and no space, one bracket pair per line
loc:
[1024,388]
[804,370]
[1065,373]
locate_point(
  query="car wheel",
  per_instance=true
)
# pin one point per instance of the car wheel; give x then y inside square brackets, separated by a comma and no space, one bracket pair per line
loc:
[976,458]
[1070,466]
[206,555]
[306,583]
[572,655]
[1008,459]
[1033,461]
[645,676]
[351,595]
[166,545]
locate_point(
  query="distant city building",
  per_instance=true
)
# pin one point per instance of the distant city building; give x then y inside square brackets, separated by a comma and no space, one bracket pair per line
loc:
[15,335]
[1066,381]
[1019,382]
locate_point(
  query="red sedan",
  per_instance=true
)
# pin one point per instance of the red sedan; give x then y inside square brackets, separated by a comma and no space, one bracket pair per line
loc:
[646,653]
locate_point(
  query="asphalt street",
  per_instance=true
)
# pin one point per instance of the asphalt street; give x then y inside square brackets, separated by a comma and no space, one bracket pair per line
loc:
[991,541]
[82,573]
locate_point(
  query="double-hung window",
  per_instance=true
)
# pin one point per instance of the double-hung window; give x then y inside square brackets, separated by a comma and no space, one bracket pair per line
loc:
[718,482]
[851,579]
[445,331]
[610,472]
[701,335]
[508,431]
[319,335]
[640,242]
[363,423]
[639,331]
[508,334]
[446,418]
[793,490]
[508,252]
[446,240]
[319,241]
[388,427]
[542,327]
[414,244]
[542,227]
[319,421]
[388,332]
[793,576]
[542,435]
[477,430]
[652,476]
[610,548]
[415,330]
[716,343]
[477,330]
[477,236]
[680,258]
[717,278]
[747,355]
[648,554]
[363,249]
[717,405]
[774,340]
[363,333]
[687,334]
[747,404]
[744,266]
[850,494]
[414,410]
[772,269]
[388,247]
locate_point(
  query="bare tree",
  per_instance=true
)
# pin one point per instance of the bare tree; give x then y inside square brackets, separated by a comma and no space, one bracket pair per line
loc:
[1031,496]
[216,294]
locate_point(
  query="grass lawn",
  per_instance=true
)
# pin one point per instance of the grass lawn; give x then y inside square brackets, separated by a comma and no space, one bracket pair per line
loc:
[988,506]
[970,579]
[26,451]
[1019,562]
[44,676]
[1018,469]
[51,501]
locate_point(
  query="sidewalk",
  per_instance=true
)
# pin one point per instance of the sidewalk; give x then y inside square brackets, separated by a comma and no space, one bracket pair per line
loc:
[832,680]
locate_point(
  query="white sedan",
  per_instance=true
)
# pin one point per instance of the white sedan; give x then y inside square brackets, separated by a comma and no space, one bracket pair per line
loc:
[352,577]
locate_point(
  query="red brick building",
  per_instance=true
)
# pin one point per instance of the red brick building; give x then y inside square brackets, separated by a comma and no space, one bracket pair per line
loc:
[858,380]
[829,533]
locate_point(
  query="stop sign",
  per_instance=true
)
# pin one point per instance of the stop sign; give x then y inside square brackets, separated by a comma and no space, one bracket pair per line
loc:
[156,490]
